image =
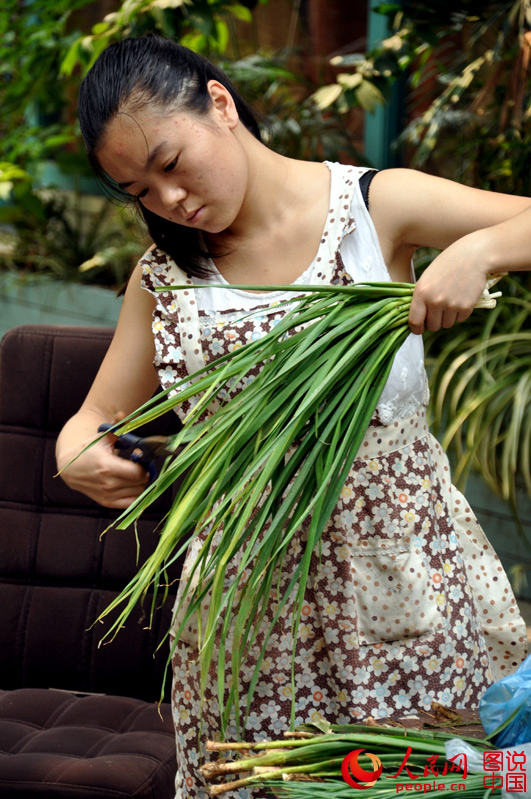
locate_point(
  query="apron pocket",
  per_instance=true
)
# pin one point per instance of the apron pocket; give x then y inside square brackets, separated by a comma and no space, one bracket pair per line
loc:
[395,597]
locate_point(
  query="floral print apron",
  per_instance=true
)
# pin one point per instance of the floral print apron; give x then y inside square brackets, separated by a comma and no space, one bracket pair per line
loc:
[407,602]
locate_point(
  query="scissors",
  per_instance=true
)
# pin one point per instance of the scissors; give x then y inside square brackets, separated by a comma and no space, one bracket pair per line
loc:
[149,451]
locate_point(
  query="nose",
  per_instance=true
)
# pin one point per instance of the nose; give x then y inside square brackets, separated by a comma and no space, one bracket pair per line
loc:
[171,195]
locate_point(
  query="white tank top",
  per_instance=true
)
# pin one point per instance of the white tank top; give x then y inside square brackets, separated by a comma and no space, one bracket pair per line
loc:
[349,240]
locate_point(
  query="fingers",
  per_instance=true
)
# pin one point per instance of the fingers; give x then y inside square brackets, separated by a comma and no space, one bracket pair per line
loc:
[115,501]
[113,469]
[417,314]
[426,314]
[111,481]
[93,468]
[117,482]
[449,318]
[112,495]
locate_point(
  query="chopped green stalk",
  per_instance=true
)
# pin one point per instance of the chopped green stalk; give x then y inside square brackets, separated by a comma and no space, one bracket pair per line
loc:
[313,765]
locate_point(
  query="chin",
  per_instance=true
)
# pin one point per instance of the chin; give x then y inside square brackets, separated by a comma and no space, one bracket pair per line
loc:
[213,228]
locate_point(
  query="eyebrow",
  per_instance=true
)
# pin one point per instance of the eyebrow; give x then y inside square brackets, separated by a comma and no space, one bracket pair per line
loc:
[151,157]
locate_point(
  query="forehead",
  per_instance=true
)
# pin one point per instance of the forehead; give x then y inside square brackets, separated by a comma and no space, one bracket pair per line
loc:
[131,141]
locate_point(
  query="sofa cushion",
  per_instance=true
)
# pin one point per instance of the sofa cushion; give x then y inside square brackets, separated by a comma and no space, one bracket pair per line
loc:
[57,572]
[57,744]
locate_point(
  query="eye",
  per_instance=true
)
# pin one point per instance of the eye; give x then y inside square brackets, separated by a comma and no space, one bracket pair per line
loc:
[171,165]
[141,194]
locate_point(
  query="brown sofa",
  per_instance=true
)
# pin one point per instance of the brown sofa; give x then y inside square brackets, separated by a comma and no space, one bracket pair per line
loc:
[76,720]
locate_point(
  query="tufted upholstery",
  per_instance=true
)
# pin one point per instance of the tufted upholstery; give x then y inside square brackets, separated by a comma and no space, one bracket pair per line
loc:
[76,720]
[57,744]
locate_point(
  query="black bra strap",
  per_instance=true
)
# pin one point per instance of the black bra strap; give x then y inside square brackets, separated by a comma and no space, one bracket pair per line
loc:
[365,182]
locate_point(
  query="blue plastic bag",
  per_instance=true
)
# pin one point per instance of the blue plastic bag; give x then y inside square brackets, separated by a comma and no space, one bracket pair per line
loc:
[511,694]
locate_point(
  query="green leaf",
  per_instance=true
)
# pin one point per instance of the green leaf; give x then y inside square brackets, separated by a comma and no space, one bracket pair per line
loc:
[11,172]
[99,28]
[240,12]
[222,35]
[58,140]
[71,58]
[326,95]
[369,96]
[195,41]
[349,81]
[6,186]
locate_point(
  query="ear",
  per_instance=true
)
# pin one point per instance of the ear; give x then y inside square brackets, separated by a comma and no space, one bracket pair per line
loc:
[223,103]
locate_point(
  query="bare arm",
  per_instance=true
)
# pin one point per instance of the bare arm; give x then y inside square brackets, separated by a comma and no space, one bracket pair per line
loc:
[124,381]
[478,232]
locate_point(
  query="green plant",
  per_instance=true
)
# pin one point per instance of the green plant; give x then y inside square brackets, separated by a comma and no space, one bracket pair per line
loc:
[268,460]
[309,762]
[480,381]
[202,25]
[41,57]
[238,486]
[272,87]
[477,127]
[49,230]
[33,39]
[66,234]
[472,61]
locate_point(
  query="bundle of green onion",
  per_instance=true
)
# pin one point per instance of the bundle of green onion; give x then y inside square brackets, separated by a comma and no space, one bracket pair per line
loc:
[272,457]
[308,764]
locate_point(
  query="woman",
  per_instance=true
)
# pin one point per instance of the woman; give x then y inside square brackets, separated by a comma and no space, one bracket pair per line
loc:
[408,603]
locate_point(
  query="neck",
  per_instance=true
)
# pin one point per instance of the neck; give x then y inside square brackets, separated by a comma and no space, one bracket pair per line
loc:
[272,191]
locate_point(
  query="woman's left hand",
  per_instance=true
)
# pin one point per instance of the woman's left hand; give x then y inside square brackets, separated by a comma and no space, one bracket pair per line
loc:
[449,288]
[478,232]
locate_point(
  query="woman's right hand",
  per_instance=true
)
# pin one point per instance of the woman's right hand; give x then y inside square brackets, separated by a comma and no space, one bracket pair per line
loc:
[99,473]
[125,380]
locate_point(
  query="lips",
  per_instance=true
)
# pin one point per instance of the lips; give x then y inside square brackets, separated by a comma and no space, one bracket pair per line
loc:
[193,217]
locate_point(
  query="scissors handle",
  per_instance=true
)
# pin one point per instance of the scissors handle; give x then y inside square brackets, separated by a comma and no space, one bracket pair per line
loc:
[133,448]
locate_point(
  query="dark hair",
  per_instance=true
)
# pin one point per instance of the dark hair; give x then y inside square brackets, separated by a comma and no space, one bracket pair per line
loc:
[152,69]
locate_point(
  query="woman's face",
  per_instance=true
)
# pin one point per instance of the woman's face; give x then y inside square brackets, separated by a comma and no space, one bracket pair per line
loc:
[191,169]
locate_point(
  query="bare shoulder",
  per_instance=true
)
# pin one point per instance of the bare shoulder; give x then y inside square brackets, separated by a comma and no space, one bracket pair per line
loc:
[134,323]
[409,207]
[134,284]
